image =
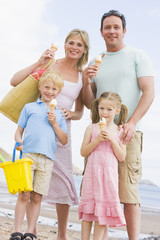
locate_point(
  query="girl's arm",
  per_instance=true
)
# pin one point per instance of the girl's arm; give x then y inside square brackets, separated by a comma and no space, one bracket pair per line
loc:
[88,146]
[18,136]
[61,135]
[118,148]
[78,111]
[19,76]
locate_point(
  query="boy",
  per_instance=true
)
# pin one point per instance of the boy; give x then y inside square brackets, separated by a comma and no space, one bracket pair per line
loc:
[41,129]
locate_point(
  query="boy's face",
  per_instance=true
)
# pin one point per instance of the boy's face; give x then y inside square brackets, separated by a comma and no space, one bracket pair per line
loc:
[48,91]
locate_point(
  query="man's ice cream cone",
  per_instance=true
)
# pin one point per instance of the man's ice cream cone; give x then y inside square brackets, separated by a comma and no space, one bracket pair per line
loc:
[98,60]
[102,124]
[54,47]
[53,105]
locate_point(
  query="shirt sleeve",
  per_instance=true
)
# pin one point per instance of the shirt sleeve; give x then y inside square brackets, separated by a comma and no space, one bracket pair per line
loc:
[63,124]
[22,121]
[143,66]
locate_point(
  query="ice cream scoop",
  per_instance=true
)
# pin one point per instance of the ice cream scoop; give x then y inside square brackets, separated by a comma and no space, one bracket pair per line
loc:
[102,124]
[53,105]
[54,47]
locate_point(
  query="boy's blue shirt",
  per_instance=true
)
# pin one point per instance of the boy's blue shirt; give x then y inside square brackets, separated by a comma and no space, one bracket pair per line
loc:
[39,136]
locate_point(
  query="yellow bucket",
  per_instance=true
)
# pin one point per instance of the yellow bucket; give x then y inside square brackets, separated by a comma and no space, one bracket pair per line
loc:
[18,175]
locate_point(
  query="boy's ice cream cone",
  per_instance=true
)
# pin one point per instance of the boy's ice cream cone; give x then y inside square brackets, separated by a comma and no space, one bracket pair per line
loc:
[53,105]
[54,47]
[102,124]
[98,60]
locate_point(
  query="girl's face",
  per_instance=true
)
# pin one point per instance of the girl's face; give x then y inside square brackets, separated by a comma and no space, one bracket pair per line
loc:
[74,47]
[107,110]
[48,91]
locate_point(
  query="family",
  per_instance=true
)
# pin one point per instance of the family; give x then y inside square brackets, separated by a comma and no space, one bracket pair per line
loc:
[120,91]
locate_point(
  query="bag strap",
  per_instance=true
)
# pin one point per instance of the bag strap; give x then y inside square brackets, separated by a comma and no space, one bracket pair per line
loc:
[49,64]
[14,151]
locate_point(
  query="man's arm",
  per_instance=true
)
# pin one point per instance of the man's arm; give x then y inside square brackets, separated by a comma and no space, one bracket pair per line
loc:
[89,88]
[146,85]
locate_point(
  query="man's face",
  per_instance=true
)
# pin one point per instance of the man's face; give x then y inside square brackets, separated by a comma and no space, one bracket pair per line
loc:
[113,33]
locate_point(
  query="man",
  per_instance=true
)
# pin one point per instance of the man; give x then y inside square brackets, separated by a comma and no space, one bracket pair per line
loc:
[128,72]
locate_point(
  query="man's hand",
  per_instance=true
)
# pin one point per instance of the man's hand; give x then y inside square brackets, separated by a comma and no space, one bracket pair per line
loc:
[88,73]
[129,130]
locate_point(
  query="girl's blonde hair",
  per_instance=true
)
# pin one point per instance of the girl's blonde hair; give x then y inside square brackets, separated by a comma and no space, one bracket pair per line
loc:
[53,76]
[117,103]
[84,36]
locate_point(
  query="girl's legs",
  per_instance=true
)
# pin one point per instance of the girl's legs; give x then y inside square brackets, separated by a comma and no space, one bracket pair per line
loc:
[20,210]
[98,231]
[33,211]
[62,217]
[86,230]
[105,236]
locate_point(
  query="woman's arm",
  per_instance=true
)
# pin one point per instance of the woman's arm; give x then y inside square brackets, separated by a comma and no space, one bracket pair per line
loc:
[88,145]
[78,111]
[22,74]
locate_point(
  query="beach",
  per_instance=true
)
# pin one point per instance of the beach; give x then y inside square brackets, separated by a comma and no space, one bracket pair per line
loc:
[47,224]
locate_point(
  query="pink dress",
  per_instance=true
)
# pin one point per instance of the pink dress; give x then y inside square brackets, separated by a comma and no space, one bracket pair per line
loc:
[62,188]
[99,198]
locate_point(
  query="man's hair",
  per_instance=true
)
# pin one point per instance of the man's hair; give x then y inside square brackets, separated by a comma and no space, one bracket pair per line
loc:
[114,13]
[53,76]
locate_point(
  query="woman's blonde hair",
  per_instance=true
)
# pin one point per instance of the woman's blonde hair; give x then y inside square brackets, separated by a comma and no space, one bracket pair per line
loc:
[117,103]
[84,36]
[53,76]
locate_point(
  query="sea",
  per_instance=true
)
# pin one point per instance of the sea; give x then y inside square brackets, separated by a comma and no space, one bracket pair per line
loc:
[150,202]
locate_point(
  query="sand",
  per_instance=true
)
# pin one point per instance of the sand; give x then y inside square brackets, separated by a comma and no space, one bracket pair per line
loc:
[150,224]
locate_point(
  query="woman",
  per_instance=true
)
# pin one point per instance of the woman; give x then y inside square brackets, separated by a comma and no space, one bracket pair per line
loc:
[63,192]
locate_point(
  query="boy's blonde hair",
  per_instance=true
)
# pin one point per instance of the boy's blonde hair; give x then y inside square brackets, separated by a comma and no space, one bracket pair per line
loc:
[53,76]
[117,103]
[85,39]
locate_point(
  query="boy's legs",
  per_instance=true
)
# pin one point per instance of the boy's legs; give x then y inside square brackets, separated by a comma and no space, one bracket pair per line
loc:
[20,209]
[98,231]
[35,205]
[86,230]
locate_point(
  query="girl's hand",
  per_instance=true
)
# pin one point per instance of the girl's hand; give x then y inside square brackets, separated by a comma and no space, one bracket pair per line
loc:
[52,118]
[108,135]
[66,113]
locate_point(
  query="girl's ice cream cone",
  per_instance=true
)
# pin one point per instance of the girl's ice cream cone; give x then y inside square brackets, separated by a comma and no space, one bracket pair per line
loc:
[53,105]
[102,124]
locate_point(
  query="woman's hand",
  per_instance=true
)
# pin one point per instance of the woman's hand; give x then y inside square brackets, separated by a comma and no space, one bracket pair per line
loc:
[46,56]
[66,113]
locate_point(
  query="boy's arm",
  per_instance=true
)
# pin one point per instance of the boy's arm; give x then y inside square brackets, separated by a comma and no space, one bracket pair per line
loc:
[61,135]
[18,137]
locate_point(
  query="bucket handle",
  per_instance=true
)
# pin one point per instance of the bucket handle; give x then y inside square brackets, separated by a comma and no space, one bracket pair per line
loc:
[14,151]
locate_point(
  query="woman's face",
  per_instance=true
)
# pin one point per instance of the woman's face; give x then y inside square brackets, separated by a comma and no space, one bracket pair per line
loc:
[74,47]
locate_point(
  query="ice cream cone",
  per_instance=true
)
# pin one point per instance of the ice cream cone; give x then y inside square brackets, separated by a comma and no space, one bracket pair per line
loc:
[102,124]
[98,60]
[54,47]
[53,105]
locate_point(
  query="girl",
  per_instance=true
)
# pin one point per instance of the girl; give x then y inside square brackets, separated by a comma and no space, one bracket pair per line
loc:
[99,199]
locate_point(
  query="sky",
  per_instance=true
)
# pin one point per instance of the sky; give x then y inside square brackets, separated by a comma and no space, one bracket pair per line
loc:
[29,27]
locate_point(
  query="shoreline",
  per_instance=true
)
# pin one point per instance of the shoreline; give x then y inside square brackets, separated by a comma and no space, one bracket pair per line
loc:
[47,224]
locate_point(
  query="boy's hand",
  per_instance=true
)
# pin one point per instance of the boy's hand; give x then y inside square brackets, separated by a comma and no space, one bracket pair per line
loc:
[19,148]
[52,118]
